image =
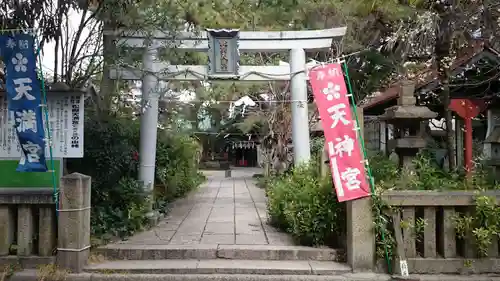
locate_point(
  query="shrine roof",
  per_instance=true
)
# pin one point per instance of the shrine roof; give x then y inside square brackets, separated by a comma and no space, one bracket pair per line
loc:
[426,77]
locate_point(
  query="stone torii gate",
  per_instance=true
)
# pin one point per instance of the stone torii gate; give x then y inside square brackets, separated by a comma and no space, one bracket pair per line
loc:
[223,47]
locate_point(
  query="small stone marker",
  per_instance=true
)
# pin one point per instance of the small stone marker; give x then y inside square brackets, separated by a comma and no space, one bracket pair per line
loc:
[73,243]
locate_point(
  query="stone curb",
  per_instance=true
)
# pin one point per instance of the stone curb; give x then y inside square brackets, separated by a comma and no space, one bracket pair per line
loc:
[221,266]
[235,278]
[237,252]
[30,275]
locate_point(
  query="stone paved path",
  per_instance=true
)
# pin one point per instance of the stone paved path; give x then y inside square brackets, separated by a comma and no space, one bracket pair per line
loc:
[222,211]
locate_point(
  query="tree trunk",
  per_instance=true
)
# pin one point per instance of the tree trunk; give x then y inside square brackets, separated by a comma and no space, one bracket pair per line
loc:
[107,86]
[442,47]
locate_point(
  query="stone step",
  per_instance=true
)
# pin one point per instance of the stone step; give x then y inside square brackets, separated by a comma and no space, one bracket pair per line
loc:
[235,252]
[220,266]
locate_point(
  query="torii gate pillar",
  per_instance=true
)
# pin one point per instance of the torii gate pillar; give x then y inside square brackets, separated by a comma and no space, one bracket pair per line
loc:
[149,124]
[300,116]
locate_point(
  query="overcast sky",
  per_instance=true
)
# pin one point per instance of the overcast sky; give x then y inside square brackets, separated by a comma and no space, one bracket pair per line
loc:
[49,48]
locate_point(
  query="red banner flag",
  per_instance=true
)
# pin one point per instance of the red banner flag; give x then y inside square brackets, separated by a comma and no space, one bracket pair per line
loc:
[346,160]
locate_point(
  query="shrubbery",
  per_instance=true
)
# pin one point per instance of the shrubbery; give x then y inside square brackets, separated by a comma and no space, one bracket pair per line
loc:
[118,201]
[304,205]
[426,174]
[177,168]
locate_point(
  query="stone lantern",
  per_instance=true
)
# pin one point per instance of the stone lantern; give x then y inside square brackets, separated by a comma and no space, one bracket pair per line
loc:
[407,119]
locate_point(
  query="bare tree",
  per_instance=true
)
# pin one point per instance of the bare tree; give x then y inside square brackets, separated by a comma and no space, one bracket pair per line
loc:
[442,50]
[78,53]
[274,124]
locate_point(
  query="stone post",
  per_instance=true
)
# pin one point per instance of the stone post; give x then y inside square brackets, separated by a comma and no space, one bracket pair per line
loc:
[25,231]
[360,235]
[46,231]
[73,245]
[7,225]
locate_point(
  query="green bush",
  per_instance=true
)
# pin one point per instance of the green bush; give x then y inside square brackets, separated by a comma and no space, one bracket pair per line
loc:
[177,168]
[112,219]
[119,204]
[317,144]
[117,199]
[382,168]
[427,175]
[304,205]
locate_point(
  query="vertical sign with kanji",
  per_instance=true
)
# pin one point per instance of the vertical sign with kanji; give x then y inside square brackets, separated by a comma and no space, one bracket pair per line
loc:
[346,160]
[24,100]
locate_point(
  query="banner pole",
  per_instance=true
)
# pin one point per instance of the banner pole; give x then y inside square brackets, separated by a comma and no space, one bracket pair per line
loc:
[367,165]
[49,133]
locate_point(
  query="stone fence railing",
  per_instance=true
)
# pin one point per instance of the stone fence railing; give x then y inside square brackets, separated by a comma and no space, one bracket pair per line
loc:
[33,234]
[439,249]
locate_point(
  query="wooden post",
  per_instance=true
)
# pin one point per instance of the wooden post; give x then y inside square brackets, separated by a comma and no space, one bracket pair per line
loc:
[468,145]
[467,109]
[73,245]
[400,253]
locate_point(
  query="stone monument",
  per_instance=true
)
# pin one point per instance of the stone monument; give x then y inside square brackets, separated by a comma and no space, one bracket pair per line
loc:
[407,119]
